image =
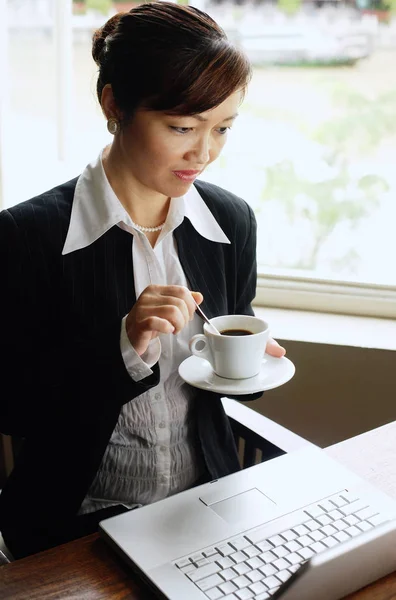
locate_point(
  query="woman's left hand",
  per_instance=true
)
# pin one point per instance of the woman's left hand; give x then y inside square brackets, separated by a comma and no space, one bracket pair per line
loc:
[274,349]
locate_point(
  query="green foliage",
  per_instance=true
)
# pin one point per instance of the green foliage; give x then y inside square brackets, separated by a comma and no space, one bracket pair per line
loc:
[390,5]
[290,7]
[324,204]
[102,6]
[382,4]
[360,125]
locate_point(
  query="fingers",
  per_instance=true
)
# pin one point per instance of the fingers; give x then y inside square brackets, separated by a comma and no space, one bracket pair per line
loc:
[197,297]
[174,295]
[156,324]
[174,311]
[274,349]
[167,298]
[184,294]
[140,337]
[171,303]
[160,309]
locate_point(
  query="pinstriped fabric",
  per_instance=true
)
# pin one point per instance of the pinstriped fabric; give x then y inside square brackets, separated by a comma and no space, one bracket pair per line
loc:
[75,304]
[226,275]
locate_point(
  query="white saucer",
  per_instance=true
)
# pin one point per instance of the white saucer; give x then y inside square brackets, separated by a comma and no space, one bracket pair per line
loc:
[199,373]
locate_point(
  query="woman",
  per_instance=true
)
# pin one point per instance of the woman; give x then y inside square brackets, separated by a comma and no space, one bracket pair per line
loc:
[96,311]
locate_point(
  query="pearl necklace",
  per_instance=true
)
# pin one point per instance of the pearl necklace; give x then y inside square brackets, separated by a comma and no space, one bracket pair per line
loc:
[148,229]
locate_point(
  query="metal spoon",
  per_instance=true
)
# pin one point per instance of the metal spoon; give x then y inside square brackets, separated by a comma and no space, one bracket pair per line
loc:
[205,318]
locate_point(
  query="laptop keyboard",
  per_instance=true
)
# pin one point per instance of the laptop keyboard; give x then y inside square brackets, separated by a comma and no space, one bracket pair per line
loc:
[255,564]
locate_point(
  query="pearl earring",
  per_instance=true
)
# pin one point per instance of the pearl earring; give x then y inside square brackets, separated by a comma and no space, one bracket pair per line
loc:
[113,125]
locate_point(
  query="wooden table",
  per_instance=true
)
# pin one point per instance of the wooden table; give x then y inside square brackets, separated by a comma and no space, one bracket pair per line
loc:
[88,570]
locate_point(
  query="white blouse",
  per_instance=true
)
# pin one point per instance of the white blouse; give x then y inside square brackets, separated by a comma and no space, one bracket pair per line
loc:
[154,450]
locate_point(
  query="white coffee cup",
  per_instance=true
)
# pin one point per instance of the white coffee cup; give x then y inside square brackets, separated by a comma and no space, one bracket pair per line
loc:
[233,356]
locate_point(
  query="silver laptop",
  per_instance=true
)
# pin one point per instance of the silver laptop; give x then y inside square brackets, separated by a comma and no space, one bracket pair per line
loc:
[298,527]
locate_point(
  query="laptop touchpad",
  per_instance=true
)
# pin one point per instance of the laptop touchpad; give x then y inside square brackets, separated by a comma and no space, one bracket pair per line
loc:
[244,506]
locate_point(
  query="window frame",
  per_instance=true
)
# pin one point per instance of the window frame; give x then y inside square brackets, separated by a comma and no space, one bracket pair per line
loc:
[325,295]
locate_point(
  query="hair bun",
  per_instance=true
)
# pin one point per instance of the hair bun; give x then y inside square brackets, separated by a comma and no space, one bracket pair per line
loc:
[100,35]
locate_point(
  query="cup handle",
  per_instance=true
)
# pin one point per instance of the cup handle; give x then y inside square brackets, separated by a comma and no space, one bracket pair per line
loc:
[205,352]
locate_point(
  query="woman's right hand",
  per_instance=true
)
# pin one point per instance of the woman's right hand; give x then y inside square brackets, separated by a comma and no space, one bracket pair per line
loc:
[160,309]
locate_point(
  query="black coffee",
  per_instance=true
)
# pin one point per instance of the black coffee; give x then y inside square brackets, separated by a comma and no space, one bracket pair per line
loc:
[236,332]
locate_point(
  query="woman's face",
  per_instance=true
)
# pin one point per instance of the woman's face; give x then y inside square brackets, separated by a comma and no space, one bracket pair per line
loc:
[165,153]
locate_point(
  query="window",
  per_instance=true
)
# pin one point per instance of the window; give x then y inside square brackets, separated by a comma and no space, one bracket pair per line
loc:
[313,150]
[52,124]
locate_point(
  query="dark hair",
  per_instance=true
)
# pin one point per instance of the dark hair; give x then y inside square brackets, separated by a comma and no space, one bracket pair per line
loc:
[168,57]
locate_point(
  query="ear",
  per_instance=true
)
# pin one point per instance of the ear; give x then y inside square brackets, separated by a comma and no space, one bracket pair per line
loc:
[108,103]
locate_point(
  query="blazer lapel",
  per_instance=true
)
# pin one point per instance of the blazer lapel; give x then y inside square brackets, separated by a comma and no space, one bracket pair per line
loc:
[204,265]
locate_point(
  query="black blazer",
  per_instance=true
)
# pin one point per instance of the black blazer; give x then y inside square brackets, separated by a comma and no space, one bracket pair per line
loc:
[63,376]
